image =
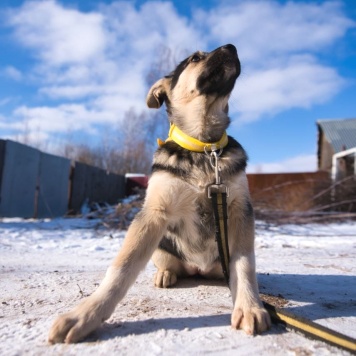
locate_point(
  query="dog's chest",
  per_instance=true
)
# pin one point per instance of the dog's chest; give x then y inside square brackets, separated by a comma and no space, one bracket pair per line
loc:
[196,228]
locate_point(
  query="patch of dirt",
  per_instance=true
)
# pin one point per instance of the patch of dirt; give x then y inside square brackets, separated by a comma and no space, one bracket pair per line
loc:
[277,301]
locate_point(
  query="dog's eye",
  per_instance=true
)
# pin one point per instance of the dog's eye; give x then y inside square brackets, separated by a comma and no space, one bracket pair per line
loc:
[195,58]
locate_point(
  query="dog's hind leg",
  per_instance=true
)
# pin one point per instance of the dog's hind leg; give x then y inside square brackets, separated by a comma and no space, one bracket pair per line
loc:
[169,267]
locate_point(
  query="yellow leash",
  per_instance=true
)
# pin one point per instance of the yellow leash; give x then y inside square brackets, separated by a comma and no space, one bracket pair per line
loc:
[311,329]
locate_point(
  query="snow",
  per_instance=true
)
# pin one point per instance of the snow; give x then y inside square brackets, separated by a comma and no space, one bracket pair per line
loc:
[47,266]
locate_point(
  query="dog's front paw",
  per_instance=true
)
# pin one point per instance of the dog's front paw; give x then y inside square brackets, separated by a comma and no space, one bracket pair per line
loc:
[165,279]
[75,325]
[252,320]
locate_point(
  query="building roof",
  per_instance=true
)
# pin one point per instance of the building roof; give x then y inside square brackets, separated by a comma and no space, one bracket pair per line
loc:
[340,133]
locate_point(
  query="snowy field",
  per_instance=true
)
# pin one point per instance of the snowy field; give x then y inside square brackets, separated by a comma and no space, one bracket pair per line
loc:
[47,266]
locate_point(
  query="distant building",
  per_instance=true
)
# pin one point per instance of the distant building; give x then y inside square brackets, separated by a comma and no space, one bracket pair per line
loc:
[337,147]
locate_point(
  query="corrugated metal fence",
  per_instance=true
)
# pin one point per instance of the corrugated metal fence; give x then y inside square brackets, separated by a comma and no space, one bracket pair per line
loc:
[37,184]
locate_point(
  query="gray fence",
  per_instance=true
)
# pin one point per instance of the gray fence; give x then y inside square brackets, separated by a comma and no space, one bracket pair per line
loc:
[94,185]
[37,184]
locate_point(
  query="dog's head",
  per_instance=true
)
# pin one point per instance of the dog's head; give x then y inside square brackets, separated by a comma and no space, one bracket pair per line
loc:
[196,93]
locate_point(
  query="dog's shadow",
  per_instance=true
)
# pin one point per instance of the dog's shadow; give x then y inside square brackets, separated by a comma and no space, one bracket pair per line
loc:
[177,323]
[195,281]
[139,327]
[320,296]
[183,324]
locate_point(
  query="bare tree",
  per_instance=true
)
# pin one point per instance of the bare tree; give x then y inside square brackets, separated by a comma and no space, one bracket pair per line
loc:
[129,147]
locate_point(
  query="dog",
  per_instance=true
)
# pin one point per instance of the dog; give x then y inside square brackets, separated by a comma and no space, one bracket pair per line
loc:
[176,225]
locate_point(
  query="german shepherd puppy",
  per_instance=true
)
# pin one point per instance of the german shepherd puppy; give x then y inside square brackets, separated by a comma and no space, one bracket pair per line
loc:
[176,225]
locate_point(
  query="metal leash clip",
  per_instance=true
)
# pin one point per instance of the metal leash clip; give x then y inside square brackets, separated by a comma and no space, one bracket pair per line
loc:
[218,187]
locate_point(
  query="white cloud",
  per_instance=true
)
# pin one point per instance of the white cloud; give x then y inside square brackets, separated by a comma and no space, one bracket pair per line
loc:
[93,65]
[71,92]
[12,73]
[140,31]
[107,75]
[3,102]
[300,83]
[58,119]
[264,29]
[59,35]
[302,163]
[278,46]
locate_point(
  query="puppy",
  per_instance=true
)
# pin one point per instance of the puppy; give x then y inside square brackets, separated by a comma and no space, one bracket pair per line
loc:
[176,225]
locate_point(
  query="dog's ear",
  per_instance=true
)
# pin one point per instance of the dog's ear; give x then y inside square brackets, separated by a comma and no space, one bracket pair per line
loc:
[157,94]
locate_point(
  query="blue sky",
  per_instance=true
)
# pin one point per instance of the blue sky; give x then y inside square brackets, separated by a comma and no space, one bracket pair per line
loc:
[73,68]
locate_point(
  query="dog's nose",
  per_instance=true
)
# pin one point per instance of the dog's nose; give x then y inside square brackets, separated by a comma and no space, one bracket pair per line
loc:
[230,47]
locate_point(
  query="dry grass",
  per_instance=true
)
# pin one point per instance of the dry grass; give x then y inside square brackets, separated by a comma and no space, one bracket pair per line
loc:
[320,201]
[284,203]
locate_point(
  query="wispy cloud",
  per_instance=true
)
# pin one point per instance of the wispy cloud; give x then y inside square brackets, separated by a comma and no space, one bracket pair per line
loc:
[3,102]
[12,73]
[300,83]
[58,35]
[91,67]
[302,163]
[268,30]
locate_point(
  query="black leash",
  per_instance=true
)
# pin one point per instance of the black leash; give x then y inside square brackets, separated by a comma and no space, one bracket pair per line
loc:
[218,200]
[218,194]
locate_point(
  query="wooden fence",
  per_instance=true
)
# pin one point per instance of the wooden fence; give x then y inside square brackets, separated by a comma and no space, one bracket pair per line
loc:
[37,184]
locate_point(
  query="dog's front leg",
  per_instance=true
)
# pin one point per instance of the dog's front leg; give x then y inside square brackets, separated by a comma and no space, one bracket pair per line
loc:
[249,313]
[140,242]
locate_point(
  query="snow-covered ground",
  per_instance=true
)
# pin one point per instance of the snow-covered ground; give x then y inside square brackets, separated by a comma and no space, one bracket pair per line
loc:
[47,266]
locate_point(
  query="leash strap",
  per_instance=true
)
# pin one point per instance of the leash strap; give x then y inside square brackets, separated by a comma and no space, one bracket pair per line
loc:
[218,193]
[310,329]
[219,204]
[307,327]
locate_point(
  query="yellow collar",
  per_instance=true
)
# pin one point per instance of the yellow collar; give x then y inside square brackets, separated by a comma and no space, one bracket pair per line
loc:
[191,143]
